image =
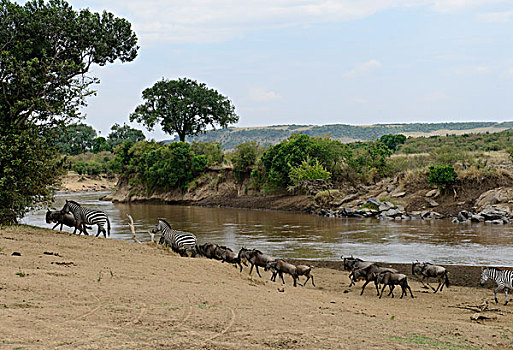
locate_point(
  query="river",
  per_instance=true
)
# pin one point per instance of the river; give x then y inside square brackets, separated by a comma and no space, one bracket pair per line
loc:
[305,236]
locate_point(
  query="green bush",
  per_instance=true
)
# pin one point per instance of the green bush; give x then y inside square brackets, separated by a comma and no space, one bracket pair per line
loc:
[244,158]
[443,176]
[212,150]
[308,170]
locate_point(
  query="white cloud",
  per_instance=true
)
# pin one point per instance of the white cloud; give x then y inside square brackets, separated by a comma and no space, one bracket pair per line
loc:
[363,68]
[263,95]
[495,17]
[220,20]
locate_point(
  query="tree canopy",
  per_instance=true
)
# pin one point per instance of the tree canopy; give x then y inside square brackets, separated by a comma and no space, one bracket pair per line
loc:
[46,51]
[120,134]
[185,107]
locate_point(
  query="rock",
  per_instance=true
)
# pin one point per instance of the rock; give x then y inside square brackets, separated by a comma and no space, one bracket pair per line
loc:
[495,196]
[398,194]
[405,217]
[463,215]
[436,215]
[455,221]
[348,198]
[494,213]
[432,203]
[385,206]
[391,212]
[390,188]
[433,193]
[477,218]
[374,201]
[400,208]
[414,215]
[348,211]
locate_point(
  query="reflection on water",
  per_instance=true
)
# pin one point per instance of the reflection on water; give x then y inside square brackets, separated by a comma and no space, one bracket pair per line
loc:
[292,235]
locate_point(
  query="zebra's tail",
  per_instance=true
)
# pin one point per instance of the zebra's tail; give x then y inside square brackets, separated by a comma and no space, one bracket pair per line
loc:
[447,284]
[108,226]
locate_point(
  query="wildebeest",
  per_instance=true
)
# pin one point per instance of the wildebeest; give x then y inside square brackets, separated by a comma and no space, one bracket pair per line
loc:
[392,279]
[209,250]
[61,218]
[427,270]
[228,255]
[280,267]
[370,274]
[255,257]
[352,264]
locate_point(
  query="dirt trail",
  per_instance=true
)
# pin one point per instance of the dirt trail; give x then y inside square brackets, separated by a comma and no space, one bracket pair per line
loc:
[77,292]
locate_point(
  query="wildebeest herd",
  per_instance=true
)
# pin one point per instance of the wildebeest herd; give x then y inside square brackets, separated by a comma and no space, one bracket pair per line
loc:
[185,243]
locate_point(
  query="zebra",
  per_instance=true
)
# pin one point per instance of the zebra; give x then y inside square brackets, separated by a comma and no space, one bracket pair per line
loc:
[503,278]
[179,241]
[86,216]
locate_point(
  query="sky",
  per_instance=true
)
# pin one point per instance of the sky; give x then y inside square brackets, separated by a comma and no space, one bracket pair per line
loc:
[354,62]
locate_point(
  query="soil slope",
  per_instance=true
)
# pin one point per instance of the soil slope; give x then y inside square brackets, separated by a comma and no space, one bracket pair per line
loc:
[77,292]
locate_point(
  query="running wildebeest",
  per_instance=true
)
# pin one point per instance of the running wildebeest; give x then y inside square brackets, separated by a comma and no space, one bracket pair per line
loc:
[370,274]
[352,264]
[61,218]
[392,279]
[427,270]
[255,257]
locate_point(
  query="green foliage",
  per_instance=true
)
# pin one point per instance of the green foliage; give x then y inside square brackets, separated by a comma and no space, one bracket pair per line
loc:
[100,144]
[28,167]
[443,176]
[91,163]
[450,155]
[212,150]
[185,107]
[278,160]
[392,141]
[308,170]
[120,134]
[168,167]
[46,51]
[371,159]
[244,158]
[76,138]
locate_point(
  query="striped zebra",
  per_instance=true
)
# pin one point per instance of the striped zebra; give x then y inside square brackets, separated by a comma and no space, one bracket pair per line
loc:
[503,278]
[85,216]
[179,241]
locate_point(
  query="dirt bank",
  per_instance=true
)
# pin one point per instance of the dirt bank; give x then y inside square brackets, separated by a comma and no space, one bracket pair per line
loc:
[77,292]
[73,182]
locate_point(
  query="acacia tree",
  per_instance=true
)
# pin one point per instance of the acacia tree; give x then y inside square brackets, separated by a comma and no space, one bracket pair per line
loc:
[185,107]
[121,134]
[46,51]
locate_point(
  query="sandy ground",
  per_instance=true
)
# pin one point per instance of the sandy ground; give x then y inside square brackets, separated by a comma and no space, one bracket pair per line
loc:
[73,182]
[77,292]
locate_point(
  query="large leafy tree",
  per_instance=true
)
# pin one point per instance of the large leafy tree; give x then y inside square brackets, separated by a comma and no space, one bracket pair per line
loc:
[46,51]
[185,107]
[121,134]
[76,138]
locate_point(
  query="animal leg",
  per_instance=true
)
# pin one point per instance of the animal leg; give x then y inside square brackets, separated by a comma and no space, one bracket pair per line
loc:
[251,268]
[240,265]
[391,291]
[351,277]
[498,289]
[382,289]
[313,284]
[363,287]
[506,294]
[56,226]
[377,287]
[258,272]
[281,276]
[307,278]
[295,280]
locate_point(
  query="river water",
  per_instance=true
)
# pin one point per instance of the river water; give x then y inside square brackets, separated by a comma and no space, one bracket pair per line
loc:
[306,236]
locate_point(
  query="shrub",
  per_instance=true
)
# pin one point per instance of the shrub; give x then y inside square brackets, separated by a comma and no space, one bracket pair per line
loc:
[443,176]
[244,158]
[308,170]
[212,151]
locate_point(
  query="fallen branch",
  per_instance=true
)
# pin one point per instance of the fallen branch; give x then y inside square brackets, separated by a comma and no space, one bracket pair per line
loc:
[132,229]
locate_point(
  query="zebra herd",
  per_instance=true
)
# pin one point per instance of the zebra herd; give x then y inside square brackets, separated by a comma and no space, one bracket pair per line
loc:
[181,242]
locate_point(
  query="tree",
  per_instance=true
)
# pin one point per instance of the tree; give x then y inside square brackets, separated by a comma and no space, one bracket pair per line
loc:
[100,144]
[76,139]
[121,134]
[443,176]
[46,51]
[393,141]
[185,107]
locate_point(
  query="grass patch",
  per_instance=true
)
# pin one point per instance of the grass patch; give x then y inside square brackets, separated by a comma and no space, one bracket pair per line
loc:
[431,343]
[205,305]
[21,273]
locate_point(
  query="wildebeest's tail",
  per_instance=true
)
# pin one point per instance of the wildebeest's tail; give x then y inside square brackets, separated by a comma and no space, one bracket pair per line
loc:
[447,284]
[108,226]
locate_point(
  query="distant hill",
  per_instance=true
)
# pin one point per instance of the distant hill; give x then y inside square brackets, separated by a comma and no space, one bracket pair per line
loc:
[270,135]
